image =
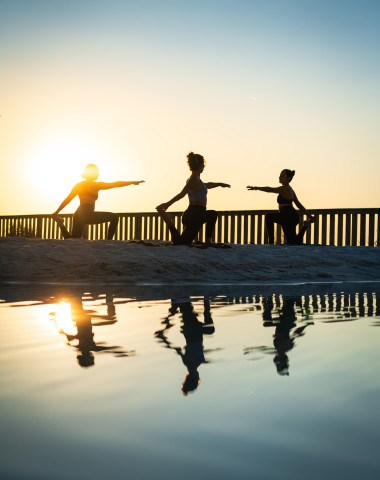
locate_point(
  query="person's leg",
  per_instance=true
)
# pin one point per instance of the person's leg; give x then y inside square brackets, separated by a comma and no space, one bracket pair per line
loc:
[79,222]
[211,217]
[61,225]
[192,219]
[289,222]
[104,217]
[169,222]
[270,220]
[290,232]
[305,226]
[114,221]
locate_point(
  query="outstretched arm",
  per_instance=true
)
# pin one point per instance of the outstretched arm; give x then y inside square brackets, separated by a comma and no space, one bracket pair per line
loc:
[265,189]
[214,185]
[67,200]
[107,186]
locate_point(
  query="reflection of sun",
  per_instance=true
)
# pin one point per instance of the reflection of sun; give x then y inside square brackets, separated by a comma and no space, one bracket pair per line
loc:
[63,319]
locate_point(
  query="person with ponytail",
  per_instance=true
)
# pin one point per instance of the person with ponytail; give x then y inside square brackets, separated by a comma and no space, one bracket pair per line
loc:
[85,214]
[196,214]
[287,216]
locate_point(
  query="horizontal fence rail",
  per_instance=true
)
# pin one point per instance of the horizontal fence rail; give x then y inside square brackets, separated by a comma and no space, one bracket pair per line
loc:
[348,227]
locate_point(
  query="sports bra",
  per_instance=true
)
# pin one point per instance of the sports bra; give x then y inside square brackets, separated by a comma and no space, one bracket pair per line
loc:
[283,201]
[198,195]
[87,195]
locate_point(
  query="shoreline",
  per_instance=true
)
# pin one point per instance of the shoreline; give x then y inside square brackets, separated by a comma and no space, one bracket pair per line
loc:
[37,294]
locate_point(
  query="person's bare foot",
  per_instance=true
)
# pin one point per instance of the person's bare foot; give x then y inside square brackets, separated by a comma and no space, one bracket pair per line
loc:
[309,221]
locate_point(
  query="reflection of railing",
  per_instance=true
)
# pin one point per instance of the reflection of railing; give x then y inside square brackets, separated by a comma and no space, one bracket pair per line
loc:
[354,226]
[337,307]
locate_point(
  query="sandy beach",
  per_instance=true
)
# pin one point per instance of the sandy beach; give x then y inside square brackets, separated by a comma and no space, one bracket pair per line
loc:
[116,262]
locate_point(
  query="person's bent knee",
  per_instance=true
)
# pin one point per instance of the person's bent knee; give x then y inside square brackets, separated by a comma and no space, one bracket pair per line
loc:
[212,215]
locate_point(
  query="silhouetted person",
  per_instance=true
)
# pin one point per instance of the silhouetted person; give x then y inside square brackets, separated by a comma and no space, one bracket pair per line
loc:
[196,214]
[287,217]
[87,192]
[192,354]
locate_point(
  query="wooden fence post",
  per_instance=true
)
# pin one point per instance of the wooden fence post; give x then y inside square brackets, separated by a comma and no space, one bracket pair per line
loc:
[138,222]
[39,227]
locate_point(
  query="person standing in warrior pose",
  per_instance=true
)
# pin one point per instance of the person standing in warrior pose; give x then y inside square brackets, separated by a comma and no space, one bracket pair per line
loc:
[196,214]
[87,192]
[287,216]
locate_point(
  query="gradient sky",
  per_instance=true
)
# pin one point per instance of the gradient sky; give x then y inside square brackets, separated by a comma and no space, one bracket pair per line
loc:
[133,86]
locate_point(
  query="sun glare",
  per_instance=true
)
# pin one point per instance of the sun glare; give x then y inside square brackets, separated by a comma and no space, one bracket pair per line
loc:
[57,163]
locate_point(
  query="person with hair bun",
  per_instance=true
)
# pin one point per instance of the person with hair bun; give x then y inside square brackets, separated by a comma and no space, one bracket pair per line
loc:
[85,214]
[196,214]
[287,216]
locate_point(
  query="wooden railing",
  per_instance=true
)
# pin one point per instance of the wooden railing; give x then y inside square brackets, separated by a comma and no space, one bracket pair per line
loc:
[358,226]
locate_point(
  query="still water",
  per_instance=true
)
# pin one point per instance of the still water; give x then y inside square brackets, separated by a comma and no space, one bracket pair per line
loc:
[190,382]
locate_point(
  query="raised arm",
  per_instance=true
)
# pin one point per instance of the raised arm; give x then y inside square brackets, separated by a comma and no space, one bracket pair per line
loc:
[107,186]
[67,200]
[214,185]
[181,194]
[266,189]
[301,207]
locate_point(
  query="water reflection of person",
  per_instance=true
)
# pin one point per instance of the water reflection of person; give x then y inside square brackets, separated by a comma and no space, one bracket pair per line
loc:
[192,354]
[285,332]
[85,320]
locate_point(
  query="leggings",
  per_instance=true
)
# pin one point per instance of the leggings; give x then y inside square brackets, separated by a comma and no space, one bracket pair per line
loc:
[193,219]
[85,215]
[288,218]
